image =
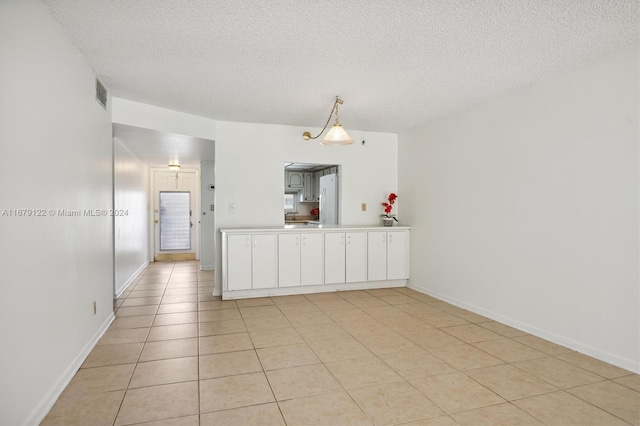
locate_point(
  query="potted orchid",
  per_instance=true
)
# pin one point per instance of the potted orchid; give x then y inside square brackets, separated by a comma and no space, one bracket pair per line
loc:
[387,217]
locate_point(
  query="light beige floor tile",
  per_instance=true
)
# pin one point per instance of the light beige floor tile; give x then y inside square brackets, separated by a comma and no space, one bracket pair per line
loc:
[140,301]
[277,337]
[355,373]
[225,343]
[143,321]
[542,345]
[406,325]
[339,349]
[510,382]
[471,316]
[234,391]
[270,322]
[562,409]
[173,319]
[165,371]
[362,328]
[173,308]
[412,365]
[158,402]
[441,319]
[229,364]
[297,382]
[125,335]
[215,328]
[176,421]
[322,332]
[180,291]
[353,294]
[166,349]
[500,414]
[432,339]
[419,308]
[393,403]
[509,350]
[135,311]
[455,392]
[219,315]
[383,292]
[263,415]
[613,398]
[206,296]
[217,304]
[99,409]
[333,305]
[471,333]
[144,286]
[398,299]
[157,292]
[384,312]
[598,367]
[433,421]
[350,315]
[168,332]
[182,284]
[286,356]
[104,355]
[317,297]
[118,302]
[100,379]
[367,301]
[501,329]
[465,357]
[333,409]
[631,381]
[260,311]
[387,343]
[299,308]
[557,372]
[287,300]
[258,301]
[180,298]
[309,318]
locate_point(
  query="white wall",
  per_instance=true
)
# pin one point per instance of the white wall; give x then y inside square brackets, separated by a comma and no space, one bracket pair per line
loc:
[56,142]
[525,208]
[131,198]
[207,218]
[250,173]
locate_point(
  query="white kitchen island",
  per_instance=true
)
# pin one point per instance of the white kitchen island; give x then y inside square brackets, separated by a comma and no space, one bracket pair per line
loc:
[277,261]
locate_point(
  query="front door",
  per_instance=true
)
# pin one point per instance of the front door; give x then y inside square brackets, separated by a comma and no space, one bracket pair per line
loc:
[174,206]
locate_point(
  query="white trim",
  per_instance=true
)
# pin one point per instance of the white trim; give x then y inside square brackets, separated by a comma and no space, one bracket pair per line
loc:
[131,279]
[627,364]
[306,289]
[207,267]
[50,398]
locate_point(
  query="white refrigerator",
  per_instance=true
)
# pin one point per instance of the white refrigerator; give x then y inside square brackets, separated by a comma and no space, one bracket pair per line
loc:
[329,199]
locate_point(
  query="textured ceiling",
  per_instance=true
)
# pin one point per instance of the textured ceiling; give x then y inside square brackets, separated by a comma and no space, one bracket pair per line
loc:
[397,64]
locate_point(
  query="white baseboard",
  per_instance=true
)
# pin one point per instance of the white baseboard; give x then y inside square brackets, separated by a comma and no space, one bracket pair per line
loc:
[627,364]
[306,289]
[131,279]
[207,267]
[41,410]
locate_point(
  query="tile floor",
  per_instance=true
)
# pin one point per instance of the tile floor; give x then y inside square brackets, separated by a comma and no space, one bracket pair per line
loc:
[175,355]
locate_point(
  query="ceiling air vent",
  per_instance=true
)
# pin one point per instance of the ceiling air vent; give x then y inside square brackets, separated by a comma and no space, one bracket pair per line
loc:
[101,94]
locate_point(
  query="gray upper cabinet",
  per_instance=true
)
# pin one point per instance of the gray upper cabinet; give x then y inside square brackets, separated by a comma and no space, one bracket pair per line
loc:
[308,190]
[293,180]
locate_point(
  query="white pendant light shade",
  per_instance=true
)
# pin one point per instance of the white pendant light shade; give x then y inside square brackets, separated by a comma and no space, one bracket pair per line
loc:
[337,136]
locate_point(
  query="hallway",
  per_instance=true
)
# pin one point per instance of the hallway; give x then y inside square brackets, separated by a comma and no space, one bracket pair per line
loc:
[176,355]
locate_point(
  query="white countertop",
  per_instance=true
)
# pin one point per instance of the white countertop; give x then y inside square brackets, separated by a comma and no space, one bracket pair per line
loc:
[312,228]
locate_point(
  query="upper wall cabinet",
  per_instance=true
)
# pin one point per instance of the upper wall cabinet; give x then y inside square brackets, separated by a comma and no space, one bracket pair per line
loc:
[293,180]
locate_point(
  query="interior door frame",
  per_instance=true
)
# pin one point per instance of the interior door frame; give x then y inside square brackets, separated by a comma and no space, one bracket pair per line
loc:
[195,214]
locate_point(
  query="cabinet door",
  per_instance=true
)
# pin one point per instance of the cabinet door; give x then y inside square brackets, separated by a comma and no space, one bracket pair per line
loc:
[334,258]
[263,261]
[238,262]
[311,259]
[308,187]
[288,260]
[316,185]
[396,255]
[377,255]
[293,180]
[356,257]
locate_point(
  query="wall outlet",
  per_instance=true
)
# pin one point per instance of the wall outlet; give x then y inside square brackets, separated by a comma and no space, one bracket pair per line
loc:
[95,308]
[363,206]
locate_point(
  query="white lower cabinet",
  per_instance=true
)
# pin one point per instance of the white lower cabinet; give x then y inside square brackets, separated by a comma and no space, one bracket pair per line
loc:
[356,257]
[263,261]
[288,260]
[239,262]
[334,258]
[387,255]
[311,259]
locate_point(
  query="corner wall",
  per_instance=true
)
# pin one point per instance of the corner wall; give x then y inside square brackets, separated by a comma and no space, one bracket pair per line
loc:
[525,208]
[131,223]
[57,142]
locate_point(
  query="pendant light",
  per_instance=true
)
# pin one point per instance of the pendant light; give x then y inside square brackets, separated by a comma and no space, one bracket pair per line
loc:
[336,136]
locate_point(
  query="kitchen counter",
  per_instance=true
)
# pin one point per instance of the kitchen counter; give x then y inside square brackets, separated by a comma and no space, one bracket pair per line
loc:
[312,227]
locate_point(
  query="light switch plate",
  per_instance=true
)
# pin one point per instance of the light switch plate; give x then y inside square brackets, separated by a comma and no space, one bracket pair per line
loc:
[363,206]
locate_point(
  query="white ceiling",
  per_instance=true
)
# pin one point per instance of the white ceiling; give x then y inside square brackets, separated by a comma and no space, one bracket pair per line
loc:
[397,64]
[159,149]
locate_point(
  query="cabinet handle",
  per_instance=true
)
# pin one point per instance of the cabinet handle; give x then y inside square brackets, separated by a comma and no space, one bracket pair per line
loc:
[390,238]
[255,241]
